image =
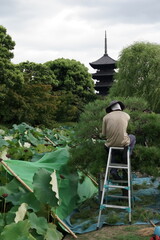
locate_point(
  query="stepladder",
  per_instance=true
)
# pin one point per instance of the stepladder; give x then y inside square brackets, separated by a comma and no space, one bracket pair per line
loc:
[117,177]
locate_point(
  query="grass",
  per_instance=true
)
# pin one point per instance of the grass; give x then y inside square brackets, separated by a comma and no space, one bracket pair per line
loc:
[132,232]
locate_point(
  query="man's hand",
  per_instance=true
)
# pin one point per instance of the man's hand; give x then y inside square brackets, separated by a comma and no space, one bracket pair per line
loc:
[101,136]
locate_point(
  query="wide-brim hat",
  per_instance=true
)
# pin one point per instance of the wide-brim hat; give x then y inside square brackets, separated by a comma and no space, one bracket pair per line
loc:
[108,109]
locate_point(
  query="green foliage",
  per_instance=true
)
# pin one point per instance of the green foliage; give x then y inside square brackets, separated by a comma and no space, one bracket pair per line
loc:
[147,160]
[23,141]
[38,223]
[37,73]
[34,104]
[146,127]
[18,231]
[89,156]
[89,153]
[139,73]
[69,106]
[6,44]
[73,76]
[37,202]
[9,75]
[52,233]
[42,188]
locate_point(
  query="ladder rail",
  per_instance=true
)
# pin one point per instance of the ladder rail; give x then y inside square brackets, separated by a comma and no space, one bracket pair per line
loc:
[103,191]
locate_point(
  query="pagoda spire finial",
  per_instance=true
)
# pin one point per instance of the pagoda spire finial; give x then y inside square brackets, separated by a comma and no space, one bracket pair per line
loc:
[105,44]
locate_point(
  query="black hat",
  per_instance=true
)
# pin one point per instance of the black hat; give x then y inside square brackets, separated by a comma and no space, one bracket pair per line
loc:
[108,109]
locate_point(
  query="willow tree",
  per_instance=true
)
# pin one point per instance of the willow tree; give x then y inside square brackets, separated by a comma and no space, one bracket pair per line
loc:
[139,73]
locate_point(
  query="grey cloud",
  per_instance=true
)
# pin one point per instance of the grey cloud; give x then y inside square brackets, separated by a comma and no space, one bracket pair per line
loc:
[122,11]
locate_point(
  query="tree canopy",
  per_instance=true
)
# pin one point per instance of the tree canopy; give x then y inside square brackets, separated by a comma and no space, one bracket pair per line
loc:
[72,76]
[139,73]
[37,73]
[6,44]
[9,75]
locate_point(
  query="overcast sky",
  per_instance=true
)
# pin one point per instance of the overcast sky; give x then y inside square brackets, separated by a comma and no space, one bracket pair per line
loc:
[45,30]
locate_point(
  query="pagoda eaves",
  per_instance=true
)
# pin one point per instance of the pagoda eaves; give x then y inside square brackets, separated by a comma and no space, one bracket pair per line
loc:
[104,60]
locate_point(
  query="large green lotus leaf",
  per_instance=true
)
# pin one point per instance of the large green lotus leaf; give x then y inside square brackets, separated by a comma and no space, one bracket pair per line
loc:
[32,201]
[68,196]
[14,198]
[38,223]
[1,220]
[30,138]
[21,128]
[53,233]
[43,188]
[12,186]
[3,143]
[10,215]
[17,231]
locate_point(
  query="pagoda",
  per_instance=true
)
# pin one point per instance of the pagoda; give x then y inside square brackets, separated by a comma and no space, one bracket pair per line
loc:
[105,70]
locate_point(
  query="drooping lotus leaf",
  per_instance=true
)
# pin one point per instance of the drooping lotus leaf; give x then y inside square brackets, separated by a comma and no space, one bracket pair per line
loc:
[43,188]
[32,201]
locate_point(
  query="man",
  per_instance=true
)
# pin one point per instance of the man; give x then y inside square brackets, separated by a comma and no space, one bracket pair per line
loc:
[114,128]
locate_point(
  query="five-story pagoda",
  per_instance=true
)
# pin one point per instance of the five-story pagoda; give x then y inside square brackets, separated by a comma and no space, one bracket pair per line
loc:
[105,70]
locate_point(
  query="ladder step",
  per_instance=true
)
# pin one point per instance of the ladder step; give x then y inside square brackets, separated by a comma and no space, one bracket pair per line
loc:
[116,186]
[123,166]
[115,206]
[118,181]
[117,196]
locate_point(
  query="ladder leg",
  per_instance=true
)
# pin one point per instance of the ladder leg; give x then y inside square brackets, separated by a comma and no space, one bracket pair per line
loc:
[103,192]
[129,184]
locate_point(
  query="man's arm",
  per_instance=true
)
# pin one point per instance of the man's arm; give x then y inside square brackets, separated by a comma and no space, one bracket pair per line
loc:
[103,128]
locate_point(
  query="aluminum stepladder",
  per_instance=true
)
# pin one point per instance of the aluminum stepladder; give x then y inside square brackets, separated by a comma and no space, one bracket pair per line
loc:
[111,184]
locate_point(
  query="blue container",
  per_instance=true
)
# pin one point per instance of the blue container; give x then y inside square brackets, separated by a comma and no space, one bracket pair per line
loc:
[157,231]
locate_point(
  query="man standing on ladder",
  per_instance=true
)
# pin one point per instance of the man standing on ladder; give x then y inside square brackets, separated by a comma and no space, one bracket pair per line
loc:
[114,128]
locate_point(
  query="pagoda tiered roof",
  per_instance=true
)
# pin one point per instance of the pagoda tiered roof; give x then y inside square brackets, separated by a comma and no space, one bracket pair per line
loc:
[103,61]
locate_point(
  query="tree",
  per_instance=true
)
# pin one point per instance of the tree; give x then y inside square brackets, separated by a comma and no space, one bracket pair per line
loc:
[33,104]
[37,73]
[6,44]
[74,77]
[139,73]
[9,75]
[69,106]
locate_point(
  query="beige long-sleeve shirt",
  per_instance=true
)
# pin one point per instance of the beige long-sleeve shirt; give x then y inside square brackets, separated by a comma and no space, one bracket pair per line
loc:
[114,127]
